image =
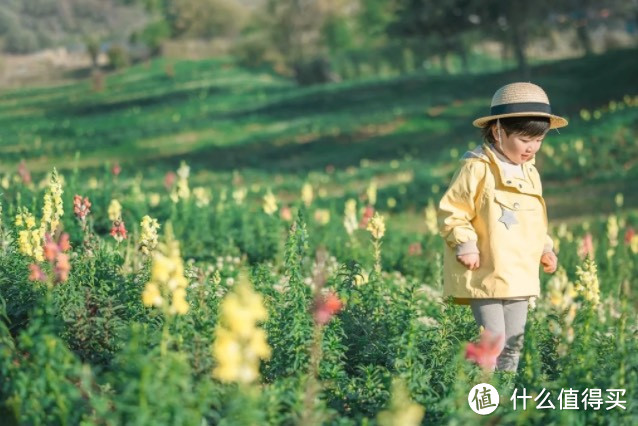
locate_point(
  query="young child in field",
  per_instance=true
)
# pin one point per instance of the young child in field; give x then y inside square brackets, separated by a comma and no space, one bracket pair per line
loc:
[494,219]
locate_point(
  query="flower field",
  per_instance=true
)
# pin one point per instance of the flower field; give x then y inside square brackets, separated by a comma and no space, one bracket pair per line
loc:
[215,246]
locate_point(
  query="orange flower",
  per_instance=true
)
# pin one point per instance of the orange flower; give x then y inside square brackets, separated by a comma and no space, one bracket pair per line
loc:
[485,352]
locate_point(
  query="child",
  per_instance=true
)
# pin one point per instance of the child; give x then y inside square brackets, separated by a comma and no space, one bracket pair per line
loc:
[494,220]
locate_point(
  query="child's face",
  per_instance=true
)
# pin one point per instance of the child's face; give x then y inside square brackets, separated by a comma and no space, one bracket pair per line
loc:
[518,148]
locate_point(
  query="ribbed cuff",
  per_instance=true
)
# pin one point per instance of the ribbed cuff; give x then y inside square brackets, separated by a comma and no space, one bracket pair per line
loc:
[548,248]
[467,247]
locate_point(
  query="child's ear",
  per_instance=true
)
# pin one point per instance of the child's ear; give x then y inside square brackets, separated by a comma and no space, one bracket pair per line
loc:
[494,132]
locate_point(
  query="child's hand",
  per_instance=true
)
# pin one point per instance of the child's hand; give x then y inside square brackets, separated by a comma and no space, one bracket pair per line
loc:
[470,260]
[549,262]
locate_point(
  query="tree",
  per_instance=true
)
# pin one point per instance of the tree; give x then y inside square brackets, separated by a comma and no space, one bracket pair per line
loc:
[443,21]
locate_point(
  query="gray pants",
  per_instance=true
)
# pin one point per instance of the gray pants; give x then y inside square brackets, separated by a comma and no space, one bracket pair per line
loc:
[503,316]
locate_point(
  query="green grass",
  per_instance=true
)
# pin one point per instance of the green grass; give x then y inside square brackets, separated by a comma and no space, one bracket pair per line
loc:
[219,118]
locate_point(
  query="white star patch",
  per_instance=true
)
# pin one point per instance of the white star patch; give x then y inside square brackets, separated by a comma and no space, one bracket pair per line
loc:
[508,218]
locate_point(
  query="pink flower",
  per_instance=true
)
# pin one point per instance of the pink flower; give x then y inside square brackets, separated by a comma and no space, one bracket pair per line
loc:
[169,180]
[62,267]
[586,246]
[285,213]
[54,254]
[81,207]
[118,231]
[36,273]
[415,249]
[116,169]
[326,307]
[24,173]
[486,351]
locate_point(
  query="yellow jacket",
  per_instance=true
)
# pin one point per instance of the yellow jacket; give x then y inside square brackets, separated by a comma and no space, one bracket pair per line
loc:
[502,219]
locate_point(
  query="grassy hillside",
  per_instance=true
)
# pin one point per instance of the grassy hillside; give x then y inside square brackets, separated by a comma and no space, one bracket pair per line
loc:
[219,118]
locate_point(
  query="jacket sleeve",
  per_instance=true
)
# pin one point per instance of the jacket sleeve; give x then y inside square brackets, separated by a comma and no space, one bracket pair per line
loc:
[457,208]
[549,244]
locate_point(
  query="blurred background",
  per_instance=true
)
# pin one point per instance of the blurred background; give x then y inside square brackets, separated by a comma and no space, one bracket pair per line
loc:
[346,89]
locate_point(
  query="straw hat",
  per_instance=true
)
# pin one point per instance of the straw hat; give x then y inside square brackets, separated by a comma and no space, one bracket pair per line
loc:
[521,100]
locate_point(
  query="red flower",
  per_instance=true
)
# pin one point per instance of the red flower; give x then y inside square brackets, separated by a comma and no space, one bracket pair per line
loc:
[485,352]
[367,215]
[629,235]
[118,231]
[326,307]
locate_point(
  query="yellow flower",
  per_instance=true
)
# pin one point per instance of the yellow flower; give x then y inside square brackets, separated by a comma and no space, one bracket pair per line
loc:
[167,281]
[52,210]
[270,203]
[148,237]
[392,202]
[154,199]
[239,195]
[633,244]
[239,343]
[93,183]
[227,352]
[619,199]
[612,230]
[431,226]
[115,211]
[587,283]
[361,279]
[402,410]
[306,194]
[376,226]
[371,192]
[322,216]
[350,216]
[180,305]
[151,296]
[30,238]
[202,197]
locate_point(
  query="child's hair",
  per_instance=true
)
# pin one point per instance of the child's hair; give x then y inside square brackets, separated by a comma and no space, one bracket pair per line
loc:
[525,126]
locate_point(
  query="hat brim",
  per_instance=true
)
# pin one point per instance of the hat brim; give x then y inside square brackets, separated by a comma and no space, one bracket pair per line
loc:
[555,121]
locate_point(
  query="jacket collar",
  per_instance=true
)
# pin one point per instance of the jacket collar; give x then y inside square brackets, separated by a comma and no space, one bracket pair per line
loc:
[531,185]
